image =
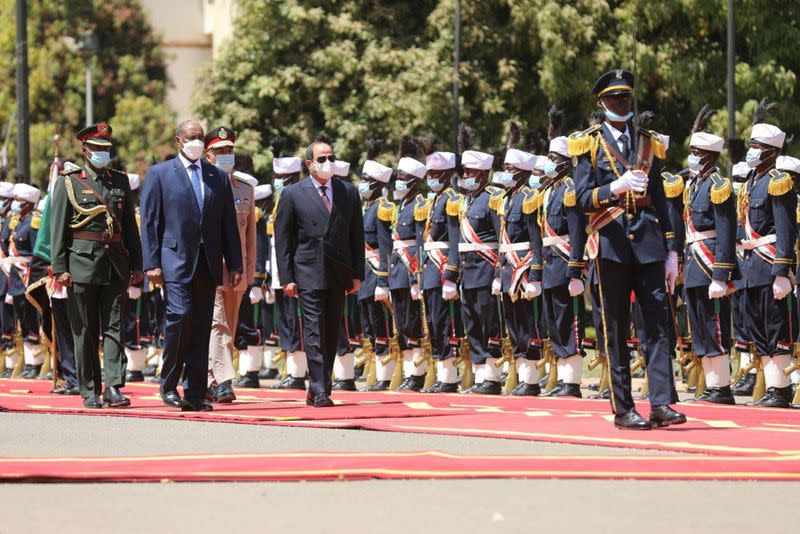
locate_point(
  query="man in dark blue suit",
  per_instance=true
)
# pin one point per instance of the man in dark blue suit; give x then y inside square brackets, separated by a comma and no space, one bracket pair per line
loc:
[320,258]
[188,224]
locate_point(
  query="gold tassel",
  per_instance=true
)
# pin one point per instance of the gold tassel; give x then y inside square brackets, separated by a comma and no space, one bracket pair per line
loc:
[454,206]
[36,220]
[659,147]
[721,188]
[386,211]
[422,210]
[569,195]
[579,143]
[496,200]
[673,184]
[780,183]
[258,214]
[531,202]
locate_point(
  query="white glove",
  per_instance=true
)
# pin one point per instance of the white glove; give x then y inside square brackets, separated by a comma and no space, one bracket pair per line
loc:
[449,290]
[497,287]
[381,294]
[717,289]
[9,299]
[134,292]
[532,290]
[269,297]
[630,181]
[256,294]
[671,271]
[416,294]
[575,287]
[781,287]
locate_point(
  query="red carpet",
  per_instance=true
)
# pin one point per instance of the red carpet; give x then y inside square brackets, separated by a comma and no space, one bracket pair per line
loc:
[712,430]
[322,466]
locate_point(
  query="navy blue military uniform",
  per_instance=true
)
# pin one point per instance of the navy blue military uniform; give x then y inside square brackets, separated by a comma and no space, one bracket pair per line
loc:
[21,241]
[286,308]
[378,216]
[7,317]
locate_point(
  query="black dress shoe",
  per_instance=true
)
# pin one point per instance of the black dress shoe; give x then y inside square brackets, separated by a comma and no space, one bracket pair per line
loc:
[65,389]
[291,382]
[632,421]
[150,370]
[413,383]
[172,399]
[27,372]
[35,370]
[442,387]
[322,400]
[225,394]
[544,380]
[721,395]
[487,387]
[605,395]
[47,376]
[93,402]
[593,387]
[134,376]
[345,385]
[774,398]
[211,393]
[72,390]
[248,380]
[114,398]
[380,385]
[663,415]
[745,385]
[268,374]
[196,406]
[7,373]
[526,390]
[565,390]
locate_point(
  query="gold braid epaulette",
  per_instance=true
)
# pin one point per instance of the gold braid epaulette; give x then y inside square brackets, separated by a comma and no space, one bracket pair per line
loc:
[271,220]
[88,214]
[386,210]
[533,201]
[496,198]
[780,183]
[455,201]
[579,143]
[721,188]
[422,209]
[673,184]
[570,198]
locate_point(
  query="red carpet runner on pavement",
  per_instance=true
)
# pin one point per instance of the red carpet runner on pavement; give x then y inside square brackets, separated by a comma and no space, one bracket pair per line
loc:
[746,443]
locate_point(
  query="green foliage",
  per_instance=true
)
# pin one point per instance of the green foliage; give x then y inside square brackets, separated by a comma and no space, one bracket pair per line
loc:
[363,68]
[129,79]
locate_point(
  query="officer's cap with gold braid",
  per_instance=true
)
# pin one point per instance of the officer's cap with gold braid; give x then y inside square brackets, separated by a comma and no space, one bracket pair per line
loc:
[220,137]
[614,82]
[97,134]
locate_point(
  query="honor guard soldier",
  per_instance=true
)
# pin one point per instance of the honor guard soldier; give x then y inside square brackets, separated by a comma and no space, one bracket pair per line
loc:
[520,253]
[404,263]
[24,227]
[133,321]
[633,242]
[768,203]
[97,254]
[344,367]
[478,262]
[440,243]
[564,240]
[287,171]
[220,150]
[6,309]
[746,383]
[710,260]
[254,306]
[373,295]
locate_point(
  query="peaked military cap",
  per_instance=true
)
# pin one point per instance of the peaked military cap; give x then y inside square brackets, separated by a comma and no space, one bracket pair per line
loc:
[97,134]
[220,137]
[614,82]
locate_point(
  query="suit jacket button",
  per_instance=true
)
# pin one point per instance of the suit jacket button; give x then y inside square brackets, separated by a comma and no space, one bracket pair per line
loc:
[630,216]
[631,237]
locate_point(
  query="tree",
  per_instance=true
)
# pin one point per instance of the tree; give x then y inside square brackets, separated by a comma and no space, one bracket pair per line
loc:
[129,79]
[362,68]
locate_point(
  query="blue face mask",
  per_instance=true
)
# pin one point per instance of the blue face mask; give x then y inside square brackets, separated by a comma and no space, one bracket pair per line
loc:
[278,184]
[364,189]
[435,185]
[99,160]
[470,184]
[225,162]
[613,117]
[694,163]
[534,181]
[550,168]
[504,178]
[753,157]
[16,205]
[401,185]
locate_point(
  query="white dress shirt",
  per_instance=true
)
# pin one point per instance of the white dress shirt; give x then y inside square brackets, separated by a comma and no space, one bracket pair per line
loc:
[199,164]
[328,188]
[617,134]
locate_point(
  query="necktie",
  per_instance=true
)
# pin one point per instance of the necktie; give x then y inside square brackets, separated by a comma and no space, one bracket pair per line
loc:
[197,186]
[324,191]
[623,140]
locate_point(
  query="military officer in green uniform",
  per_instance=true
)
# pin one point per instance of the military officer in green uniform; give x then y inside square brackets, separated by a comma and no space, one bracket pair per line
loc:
[96,254]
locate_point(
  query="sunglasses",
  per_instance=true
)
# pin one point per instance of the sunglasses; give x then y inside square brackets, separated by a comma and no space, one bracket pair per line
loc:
[323,159]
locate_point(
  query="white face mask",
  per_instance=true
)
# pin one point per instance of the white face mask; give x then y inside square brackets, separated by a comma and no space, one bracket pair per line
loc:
[435,185]
[470,184]
[365,190]
[193,149]
[324,170]
[753,157]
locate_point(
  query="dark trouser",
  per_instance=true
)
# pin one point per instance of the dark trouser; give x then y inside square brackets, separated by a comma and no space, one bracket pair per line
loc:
[153,318]
[351,325]
[187,331]
[289,324]
[322,319]
[481,323]
[266,319]
[647,281]
[739,319]
[519,322]
[94,310]
[597,320]
[711,331]
[408,318]
[767,320]
[28,319]
[132,322]
[376,328]
[64,341]
[439,325]
[565,326]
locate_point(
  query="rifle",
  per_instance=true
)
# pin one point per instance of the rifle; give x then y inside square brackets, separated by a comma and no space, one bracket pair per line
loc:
[755,363]
[427,348]
[507,351]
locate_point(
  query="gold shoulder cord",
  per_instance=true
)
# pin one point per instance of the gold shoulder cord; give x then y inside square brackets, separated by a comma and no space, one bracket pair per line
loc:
[89,214]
